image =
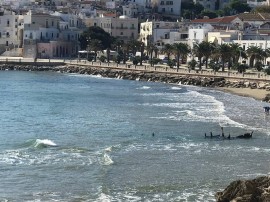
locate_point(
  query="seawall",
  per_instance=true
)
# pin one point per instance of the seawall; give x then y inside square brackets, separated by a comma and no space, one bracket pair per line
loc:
[147,75]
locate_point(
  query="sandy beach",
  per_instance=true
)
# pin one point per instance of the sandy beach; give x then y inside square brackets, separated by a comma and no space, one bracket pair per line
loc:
[258,94]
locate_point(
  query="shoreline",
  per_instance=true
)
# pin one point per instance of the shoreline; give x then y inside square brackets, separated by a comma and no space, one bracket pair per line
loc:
[247,88]
[258,94]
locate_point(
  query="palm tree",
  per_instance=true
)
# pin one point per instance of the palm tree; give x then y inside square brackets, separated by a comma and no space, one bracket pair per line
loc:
[198,52]
[150,49]
[142,52]
[95,45]
[225,53]
[255,53]
[180,50]
[126,48]
[167,49]
[208,48]
[237,53]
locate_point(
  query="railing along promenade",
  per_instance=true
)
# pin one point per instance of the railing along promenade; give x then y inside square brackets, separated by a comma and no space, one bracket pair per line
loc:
[256,76]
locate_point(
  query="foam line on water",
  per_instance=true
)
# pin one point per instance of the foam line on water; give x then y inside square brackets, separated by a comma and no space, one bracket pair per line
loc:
[44,142]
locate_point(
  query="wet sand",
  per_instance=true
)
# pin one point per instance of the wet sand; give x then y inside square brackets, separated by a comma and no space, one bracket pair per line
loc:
[258,94]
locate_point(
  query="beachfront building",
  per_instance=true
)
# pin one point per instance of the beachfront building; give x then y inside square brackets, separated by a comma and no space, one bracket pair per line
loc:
[48,36]
[11,33]
[122,27]
[161,33]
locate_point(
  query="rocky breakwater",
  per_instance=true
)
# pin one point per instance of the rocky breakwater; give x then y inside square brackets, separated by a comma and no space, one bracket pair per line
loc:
[144,75]
[256,190]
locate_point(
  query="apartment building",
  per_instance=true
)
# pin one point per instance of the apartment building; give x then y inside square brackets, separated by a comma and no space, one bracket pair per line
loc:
[123,27]
[11,30]
[161,33]
[50,36]
[168,7]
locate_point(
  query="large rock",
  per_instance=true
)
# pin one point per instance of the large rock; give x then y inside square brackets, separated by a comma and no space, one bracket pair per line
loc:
[256,190]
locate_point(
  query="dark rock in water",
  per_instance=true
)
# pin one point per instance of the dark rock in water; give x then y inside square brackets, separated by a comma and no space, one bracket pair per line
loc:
[267,98]
[256,190]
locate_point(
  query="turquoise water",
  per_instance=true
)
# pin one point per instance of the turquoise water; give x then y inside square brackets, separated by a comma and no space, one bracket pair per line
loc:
[68,137]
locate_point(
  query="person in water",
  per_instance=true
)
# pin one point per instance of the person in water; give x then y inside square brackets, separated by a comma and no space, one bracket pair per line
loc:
[153,134]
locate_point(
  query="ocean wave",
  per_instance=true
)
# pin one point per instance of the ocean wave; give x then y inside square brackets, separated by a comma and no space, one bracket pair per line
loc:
[44,143]
[106,160]
[144,87]
[176,88]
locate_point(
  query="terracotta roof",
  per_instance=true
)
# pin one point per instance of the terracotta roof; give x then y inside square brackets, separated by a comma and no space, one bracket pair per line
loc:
[266,16]
[250,17]
[109,14]
[223,20]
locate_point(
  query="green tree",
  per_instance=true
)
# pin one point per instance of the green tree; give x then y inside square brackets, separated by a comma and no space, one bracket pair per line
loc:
[255,53]
[167,49]
[210,14]
[180,50]
[95,45]
[225,54]
[239,6]
[151,48]
[198,52]
[96,33]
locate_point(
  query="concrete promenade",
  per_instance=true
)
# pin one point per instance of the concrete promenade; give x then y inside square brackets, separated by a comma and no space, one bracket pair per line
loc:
[183,70]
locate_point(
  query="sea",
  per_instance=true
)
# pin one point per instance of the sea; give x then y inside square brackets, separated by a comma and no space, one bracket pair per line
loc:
[71,138]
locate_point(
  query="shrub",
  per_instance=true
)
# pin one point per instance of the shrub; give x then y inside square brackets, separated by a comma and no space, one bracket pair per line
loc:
[136,60]
[259,66]
[102,58]
[192,64]
[171,63]
[214,65]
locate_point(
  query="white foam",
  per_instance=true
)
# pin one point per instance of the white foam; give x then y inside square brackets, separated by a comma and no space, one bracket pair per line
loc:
[107,160]
[145,87]
[45,142]
[104,198]
[176,88]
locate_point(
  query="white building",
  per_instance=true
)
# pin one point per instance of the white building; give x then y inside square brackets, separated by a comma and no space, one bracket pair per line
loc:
[161,33]
[256,3]
[168,7]
[198,34]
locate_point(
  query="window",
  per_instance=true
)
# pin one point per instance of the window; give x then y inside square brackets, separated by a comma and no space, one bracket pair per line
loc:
[52,23]
[121,33]
[163,10]
[162,3]
[171,10]
[7,23]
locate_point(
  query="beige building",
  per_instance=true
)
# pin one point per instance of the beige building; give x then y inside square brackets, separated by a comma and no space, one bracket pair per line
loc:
[123,27]
[11,32]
